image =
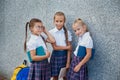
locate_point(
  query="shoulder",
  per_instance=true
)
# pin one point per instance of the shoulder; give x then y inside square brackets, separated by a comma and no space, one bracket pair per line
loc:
[43,35]
[87,39]
[87,36]
[52,30]
[31,44]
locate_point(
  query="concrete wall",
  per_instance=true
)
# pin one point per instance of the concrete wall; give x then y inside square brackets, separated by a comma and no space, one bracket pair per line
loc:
[101,16]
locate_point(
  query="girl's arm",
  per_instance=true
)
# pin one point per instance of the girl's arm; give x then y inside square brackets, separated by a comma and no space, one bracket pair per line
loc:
[55,47]
[38,58]
[84,60]
[50,38]
[68,56]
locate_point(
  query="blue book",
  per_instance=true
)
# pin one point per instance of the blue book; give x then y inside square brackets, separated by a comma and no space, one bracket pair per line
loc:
[39,51]
[82,52]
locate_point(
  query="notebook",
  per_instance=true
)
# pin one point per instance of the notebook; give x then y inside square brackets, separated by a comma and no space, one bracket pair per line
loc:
[39,51]
[82,52]
[62,72]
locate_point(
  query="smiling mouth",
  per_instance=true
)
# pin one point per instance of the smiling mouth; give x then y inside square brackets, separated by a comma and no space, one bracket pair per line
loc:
[79,35]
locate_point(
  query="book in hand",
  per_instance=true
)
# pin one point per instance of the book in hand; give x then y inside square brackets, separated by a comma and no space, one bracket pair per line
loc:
[82,52]
[39,51]
[62,72]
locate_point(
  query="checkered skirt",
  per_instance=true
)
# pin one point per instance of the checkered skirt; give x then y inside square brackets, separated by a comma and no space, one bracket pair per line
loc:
[39,70]
[58,60]
[82,74]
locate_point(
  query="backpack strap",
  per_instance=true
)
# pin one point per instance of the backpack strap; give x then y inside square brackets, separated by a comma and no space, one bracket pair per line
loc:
[25,62]
[43,40]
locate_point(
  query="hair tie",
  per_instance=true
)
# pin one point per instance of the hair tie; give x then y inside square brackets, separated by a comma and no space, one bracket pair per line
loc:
[28,22]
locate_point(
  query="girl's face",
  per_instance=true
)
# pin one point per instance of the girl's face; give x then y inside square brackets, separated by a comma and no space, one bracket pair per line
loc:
[79,30]
[59,21]
[37,29]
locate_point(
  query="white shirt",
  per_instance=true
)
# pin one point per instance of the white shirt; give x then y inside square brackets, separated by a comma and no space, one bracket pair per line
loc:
[85,40]
[35,42]
[60,36]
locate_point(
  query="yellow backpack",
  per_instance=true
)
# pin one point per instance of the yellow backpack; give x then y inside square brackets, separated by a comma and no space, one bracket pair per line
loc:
[17,69]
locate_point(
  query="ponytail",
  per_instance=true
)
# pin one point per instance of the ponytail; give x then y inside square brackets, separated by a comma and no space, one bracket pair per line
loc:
[66,34]
[25,36]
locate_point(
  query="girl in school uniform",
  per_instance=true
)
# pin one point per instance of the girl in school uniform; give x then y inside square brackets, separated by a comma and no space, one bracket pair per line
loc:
[37,50]
[78,67]
[62,47]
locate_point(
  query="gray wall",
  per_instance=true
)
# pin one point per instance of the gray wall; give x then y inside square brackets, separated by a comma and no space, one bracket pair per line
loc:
[101,16]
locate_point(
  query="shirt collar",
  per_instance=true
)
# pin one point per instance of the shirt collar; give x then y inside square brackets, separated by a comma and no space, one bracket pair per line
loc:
[56,30]
[34,36]
[84,35]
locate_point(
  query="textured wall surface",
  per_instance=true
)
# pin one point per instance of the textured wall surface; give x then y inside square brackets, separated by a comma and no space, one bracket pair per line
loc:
[101,16]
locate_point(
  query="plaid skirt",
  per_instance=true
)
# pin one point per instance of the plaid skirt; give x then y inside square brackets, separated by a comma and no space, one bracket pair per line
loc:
[58,60]
[82,74]
[39,70]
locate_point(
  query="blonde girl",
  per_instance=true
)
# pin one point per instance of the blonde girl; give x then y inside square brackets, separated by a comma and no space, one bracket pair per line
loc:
[82,53]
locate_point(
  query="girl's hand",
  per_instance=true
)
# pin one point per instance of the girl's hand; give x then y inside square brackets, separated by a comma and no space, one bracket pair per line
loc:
[44,30]
[47,54]
[77,68]
[69,47]
[67,65]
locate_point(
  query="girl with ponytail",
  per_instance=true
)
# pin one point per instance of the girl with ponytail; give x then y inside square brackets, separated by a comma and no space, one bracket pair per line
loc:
[62,47]
[37,51]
